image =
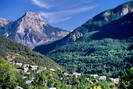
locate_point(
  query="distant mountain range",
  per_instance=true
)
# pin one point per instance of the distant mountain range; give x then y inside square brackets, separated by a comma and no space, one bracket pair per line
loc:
[100,46]
[30,30]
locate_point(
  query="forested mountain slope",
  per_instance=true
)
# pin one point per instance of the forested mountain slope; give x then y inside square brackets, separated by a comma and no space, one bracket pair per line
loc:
[104,51]
[13,51]
[93,24]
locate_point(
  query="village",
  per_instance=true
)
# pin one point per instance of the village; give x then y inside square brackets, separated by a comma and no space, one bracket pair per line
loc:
[27,70]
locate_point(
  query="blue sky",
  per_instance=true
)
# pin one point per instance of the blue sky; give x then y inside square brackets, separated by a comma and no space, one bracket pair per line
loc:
[66,14]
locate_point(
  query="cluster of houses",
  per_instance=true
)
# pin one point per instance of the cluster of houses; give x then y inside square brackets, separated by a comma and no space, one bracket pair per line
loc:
[115,80]
[74,74]
[104,78]
[26,68]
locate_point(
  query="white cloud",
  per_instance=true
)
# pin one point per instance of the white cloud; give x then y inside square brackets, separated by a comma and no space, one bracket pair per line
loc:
[60,16]
[78,10]
[40,3]
[51,18]
[56,20]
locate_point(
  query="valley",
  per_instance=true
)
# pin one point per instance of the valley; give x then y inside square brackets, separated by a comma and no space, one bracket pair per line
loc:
[96,55]
[100,46]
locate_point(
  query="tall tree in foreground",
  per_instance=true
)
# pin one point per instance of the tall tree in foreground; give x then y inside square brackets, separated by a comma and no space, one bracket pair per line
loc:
[127,80]
[8,75]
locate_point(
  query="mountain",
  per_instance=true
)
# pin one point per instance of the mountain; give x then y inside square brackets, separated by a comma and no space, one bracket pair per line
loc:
[91,25]
[31,30]
[103,50]
[3,25]
[3,22]
[13,51]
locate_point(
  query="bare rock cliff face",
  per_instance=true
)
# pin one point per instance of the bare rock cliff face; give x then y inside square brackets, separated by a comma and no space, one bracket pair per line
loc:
[3,22]
[32,30]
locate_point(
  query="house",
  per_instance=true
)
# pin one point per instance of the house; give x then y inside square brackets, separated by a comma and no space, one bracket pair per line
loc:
[115,80]
[25,69]
[66,74]
[52,69]
[77,74]
[33,67]
[26,65]
[39,71]
[102,78]
[29,81]
[19,64]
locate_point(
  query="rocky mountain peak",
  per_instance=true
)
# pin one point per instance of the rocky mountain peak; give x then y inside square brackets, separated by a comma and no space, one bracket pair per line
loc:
[33,16]
[3,22]
[124,8]
[102,19]
[32,30]
[32,21]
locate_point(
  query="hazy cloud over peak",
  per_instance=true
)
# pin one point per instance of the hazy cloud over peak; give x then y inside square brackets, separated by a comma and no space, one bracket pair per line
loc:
[40,3]
[65,14]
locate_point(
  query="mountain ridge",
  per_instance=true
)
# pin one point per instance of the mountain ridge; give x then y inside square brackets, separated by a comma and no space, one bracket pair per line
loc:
[12,51]
[91,25]
[103,47]
[102,50]
[31,30]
